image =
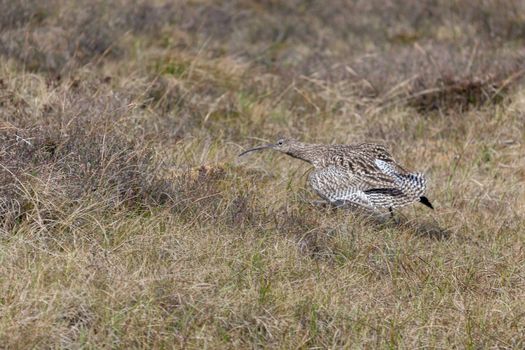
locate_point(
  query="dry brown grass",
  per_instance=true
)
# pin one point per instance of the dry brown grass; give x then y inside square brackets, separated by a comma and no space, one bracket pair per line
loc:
[127,220]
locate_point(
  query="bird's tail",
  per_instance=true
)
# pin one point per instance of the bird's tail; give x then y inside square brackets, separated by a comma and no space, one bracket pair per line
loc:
[413,184]
[416,184]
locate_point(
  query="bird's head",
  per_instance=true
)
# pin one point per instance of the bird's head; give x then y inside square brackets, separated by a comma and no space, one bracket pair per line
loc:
[286,145]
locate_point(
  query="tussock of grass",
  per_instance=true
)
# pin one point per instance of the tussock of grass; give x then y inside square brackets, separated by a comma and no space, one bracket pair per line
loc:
[127,219]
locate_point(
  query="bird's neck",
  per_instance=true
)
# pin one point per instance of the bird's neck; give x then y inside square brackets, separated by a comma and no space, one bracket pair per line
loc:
[305,152]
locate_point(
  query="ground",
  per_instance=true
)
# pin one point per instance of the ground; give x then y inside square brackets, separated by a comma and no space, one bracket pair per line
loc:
[128,221]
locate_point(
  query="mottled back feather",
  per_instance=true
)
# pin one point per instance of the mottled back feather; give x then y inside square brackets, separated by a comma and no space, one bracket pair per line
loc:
[364,174]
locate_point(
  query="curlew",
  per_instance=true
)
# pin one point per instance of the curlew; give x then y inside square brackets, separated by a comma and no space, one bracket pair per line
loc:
[361,175]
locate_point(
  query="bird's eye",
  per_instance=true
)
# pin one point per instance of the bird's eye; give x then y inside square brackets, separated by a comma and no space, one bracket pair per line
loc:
[280,142]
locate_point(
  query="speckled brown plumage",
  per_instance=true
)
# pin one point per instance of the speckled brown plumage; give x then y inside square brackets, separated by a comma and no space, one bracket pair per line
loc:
[363,175]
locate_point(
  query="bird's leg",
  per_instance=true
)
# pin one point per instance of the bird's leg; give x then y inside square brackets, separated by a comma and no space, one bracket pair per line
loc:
[392,215]
[320,203]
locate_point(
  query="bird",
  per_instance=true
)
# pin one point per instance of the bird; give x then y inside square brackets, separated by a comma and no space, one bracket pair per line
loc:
[361,175]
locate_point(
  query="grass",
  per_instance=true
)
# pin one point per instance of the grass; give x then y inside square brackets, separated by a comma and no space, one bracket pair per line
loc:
[128,221]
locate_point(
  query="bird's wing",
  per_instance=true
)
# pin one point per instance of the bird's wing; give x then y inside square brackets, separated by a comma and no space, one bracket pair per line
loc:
[339,185]
[382,159]
[375,150]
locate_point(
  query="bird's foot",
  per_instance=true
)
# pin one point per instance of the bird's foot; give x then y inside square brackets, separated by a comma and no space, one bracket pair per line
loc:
[320,203]
[393,217]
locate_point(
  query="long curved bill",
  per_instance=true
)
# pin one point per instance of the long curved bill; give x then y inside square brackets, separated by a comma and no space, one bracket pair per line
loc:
[255,149]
